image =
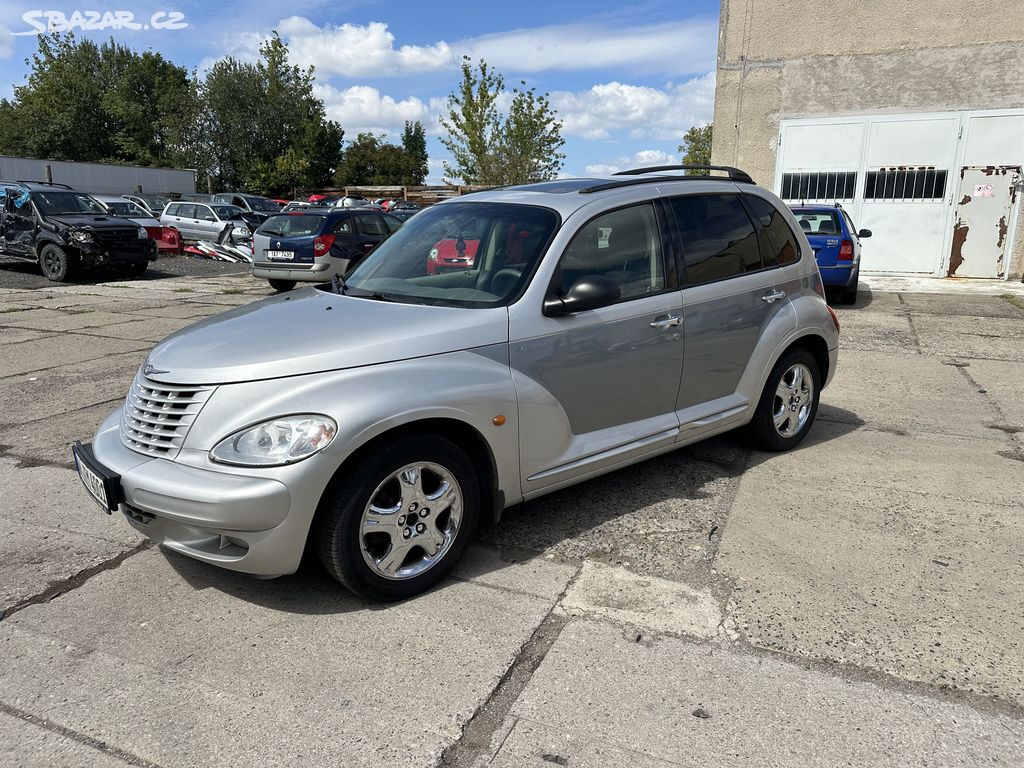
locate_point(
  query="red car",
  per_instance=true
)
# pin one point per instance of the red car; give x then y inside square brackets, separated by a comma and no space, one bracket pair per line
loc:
[451,254]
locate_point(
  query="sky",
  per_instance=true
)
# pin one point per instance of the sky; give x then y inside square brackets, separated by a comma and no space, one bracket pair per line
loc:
[626,79]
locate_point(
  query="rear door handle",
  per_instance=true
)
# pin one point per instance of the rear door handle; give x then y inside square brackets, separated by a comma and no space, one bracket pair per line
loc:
[773,296]
[666,322]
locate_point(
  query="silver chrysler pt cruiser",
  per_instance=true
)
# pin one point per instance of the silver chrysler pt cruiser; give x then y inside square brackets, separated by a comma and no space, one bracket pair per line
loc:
[596,323]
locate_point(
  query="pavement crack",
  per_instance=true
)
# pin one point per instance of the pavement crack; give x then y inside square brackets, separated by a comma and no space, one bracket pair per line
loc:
[62,587]
[481,728]
[89,741]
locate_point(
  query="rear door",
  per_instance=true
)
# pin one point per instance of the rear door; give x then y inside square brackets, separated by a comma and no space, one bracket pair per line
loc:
[181,217]
[730,295]
[371,230]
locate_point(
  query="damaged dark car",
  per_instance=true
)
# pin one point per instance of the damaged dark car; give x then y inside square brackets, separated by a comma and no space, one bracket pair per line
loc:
[67,232]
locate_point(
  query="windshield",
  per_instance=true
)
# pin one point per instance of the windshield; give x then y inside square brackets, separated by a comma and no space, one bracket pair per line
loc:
[262,204]
[62,203]
[461,254]
[292,225]
[126,208]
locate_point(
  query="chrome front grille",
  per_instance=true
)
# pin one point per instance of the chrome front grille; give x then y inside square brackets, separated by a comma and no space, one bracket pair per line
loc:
[157,416]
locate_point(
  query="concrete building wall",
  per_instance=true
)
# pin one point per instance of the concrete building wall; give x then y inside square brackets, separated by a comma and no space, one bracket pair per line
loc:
[780,59]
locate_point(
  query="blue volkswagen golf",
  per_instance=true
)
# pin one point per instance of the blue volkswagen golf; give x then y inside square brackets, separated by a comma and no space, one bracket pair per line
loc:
[836,244]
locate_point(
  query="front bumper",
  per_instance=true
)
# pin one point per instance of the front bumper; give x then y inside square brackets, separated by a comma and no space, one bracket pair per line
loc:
[246,523]
[115,254]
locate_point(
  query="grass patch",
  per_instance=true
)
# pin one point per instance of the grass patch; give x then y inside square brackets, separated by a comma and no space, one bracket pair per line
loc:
[1014,300]
[233,291]
[183,290]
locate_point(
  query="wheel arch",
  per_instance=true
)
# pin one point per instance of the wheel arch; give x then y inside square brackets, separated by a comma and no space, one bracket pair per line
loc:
[462,434]
[818,349]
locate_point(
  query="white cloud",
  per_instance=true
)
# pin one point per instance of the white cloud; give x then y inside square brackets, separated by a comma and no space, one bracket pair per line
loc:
[359,51]
[354,50]
[361,108]
[647,113]
[641,159]
[675,48]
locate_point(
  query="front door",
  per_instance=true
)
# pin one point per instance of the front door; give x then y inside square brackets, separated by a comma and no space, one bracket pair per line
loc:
[985,203]
[598,388]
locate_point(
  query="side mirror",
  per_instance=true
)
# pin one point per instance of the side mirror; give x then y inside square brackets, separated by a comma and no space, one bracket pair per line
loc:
[864,233]
[589,292]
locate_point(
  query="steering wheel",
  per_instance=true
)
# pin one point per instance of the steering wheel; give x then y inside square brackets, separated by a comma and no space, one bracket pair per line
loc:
[504,280]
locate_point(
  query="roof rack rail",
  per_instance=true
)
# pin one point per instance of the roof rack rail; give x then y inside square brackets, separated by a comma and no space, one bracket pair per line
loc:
[44,183]
[735,174]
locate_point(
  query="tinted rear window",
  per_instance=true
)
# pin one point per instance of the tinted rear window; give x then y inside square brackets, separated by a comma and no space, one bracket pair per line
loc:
[290,225]
[818,222]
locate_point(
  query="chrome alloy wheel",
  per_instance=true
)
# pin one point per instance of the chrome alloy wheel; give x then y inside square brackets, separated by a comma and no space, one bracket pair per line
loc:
[411,521]
[793,400]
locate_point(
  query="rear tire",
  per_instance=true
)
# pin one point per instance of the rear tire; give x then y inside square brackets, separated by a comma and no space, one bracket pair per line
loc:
[55,264]
[849,295]
[397,521]
[788,404]
[282,285]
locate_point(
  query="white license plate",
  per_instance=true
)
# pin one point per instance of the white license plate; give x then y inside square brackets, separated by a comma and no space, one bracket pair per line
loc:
[279,255]
[94,485]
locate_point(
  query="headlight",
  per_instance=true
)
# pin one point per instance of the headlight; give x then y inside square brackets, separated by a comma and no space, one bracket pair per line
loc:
[277,442]
[80,236]
[143,233]
[433,254]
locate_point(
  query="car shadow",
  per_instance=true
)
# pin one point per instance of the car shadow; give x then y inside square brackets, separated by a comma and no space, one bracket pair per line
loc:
[864,298]
[528,530]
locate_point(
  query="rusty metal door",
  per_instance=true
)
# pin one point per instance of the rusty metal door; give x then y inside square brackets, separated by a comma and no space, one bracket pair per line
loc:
[985,202]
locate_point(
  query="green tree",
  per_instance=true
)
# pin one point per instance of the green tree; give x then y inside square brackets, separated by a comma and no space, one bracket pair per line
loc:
[84,101]
[261,119]
[369,160]
[414,144]
[696,146]
[489,147]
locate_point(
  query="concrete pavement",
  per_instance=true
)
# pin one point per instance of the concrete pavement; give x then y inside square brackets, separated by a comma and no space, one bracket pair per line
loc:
[857,601]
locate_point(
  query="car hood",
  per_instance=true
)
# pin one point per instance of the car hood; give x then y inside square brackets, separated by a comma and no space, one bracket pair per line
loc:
[311,330]
[93,220]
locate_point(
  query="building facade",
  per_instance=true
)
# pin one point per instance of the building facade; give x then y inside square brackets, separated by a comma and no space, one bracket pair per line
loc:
[909,113]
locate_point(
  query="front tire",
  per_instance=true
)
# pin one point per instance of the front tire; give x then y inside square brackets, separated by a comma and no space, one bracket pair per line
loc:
[282,285]
[54,262]
[398,523]
[136,268]
[788,404]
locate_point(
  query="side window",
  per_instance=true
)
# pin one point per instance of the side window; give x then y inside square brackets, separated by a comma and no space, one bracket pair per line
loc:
[240,202]
[172,209]
[187,211]
[343,227]
[717,236]
[393,223]
[370,224]
[204,214]
[624,245]
[849,225]
[782,245]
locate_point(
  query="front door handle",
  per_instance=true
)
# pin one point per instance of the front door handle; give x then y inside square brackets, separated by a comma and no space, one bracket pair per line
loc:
[773,296]
[666,322]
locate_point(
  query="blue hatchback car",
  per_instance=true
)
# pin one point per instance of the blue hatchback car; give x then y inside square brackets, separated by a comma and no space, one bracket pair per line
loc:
[836,244]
